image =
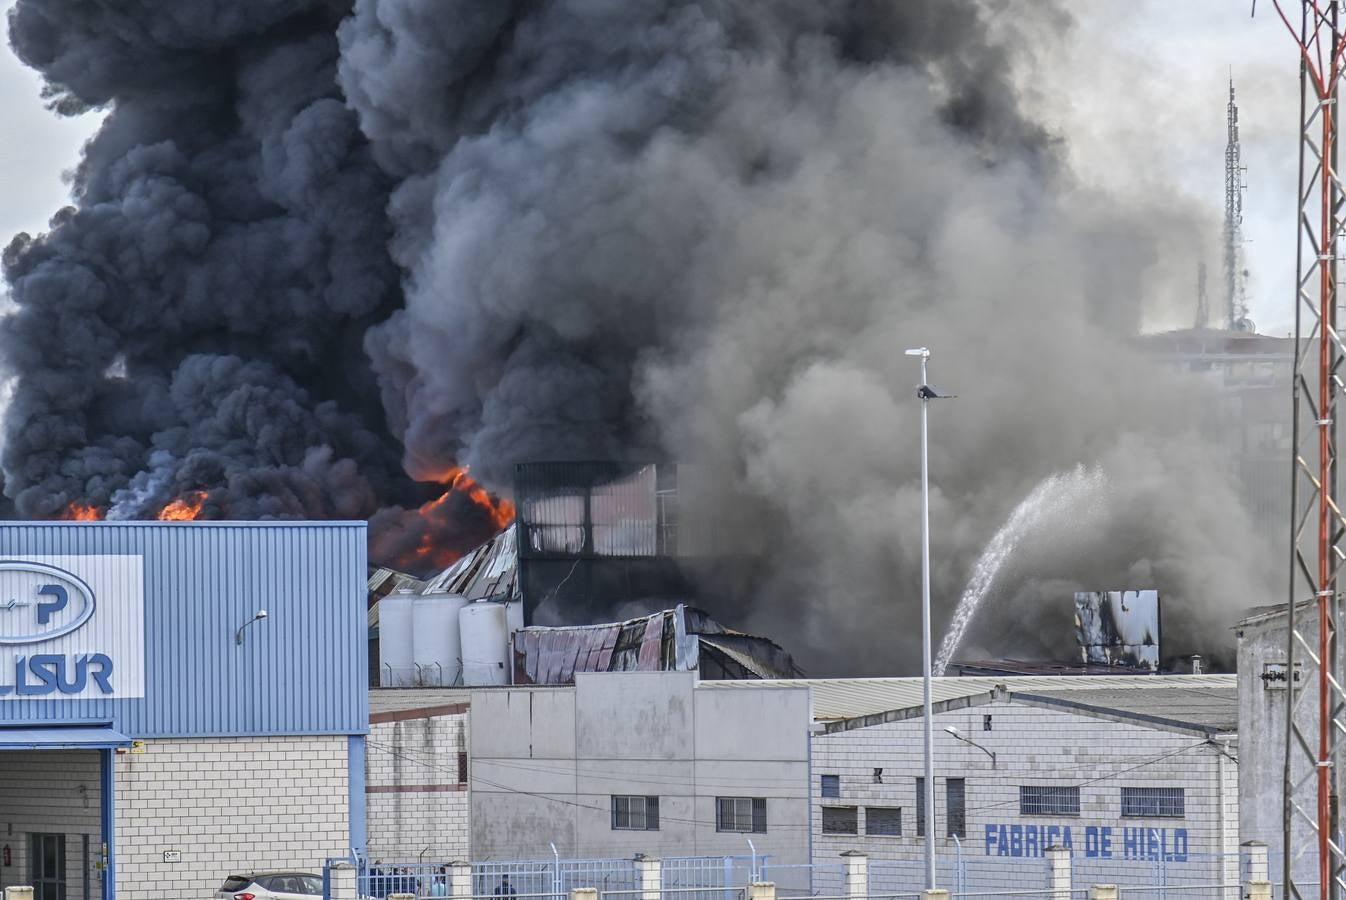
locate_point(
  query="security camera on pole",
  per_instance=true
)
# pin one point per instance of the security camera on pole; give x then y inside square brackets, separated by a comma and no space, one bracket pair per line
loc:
[927,393]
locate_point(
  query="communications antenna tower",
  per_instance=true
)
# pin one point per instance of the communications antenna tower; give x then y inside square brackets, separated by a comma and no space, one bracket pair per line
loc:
[1235,298]
[1314,745]
[1202,299]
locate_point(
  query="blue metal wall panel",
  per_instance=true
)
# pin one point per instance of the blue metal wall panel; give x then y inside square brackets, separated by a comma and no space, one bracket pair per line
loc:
[300,671]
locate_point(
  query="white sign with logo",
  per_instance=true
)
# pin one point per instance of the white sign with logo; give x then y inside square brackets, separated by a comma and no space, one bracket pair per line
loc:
[72,627]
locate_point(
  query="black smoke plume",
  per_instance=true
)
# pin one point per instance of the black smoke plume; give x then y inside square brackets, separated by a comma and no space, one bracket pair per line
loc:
[320,252]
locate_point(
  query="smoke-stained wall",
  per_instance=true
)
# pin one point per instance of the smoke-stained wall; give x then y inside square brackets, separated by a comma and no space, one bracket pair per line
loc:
[322,251]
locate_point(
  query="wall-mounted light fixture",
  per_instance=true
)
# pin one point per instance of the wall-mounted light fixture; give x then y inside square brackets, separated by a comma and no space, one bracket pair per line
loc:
[238,635]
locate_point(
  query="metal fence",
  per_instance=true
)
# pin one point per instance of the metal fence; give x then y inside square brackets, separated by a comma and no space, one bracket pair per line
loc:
[686,877]
[965,875]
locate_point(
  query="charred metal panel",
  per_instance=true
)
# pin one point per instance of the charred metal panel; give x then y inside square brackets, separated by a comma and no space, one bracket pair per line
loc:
[664,642]
[1118,628]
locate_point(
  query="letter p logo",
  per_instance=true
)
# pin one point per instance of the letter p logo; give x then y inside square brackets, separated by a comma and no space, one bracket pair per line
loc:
[48,608]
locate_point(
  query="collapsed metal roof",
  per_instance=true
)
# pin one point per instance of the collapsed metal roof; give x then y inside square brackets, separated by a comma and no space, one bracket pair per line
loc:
[490,572]
[681,639]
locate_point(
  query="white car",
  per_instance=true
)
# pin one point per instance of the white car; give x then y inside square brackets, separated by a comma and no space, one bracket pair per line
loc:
[271,886]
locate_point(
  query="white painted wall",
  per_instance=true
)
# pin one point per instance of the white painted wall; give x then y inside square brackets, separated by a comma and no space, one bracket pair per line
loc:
[228,805]
[545,763]
[1034,746]
[1262,710]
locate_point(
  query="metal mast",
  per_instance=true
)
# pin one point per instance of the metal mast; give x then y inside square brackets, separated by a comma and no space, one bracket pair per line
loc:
[1314,723]
[1202,299]
[1235,299]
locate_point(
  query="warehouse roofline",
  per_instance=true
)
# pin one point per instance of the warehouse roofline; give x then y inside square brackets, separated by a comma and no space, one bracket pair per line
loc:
[851,698]
[1001,694]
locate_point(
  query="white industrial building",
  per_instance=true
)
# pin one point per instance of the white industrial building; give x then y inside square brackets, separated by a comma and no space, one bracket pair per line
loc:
[639,762]
[618,763]
[416,775]
[1125,771]
[1264,691]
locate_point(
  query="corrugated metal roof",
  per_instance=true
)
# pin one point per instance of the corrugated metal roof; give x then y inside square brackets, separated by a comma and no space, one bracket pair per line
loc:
[490,572]
[848,698]
[671,640]
[1213,707]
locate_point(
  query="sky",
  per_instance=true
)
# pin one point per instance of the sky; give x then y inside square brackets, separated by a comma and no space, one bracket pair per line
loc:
[1138,93]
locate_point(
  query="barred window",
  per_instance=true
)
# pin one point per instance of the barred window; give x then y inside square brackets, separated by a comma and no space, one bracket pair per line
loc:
[841,820]
[883,820]
[1157,802]
[831,785]
[1046,800]
[745,814]
[635,813]
[955,793]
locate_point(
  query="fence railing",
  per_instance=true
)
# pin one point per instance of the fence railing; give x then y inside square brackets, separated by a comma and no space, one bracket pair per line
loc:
[1059,874]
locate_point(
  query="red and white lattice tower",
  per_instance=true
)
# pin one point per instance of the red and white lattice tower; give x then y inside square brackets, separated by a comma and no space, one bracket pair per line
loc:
[1314,739]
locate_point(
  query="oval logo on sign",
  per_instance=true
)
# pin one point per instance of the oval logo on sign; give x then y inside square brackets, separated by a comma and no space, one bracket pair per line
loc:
[39,602]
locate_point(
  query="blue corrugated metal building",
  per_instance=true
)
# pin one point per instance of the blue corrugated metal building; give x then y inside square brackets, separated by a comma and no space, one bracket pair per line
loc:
[158,730]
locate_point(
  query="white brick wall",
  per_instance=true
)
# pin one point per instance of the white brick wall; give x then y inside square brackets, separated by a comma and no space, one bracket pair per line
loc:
[417,806]
[228,805]
[1034,746]
[52,792]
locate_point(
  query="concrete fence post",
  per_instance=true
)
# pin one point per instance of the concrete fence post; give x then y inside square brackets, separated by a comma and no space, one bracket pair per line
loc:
[342,882]
[762,890]
[857,874]
[935,894]
[1104,892]
[584,894]
[1257,890]
[650,876]
[1058,872]
[1254,861]
[460,878]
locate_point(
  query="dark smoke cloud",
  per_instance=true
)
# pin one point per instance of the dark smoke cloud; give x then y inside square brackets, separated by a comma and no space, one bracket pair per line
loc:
[193,322]
[322,248]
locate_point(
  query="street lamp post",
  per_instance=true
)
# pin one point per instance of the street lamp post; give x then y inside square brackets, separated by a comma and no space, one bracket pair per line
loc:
[967,740]
[926,393]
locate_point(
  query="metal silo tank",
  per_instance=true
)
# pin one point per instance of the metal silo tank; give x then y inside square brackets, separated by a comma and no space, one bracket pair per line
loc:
[484,630]
[436,649]
[396,629]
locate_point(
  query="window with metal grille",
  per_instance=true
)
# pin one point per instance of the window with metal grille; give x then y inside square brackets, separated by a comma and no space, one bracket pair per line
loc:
[1156,802]
[635,813]
[831,785]
[920,807]
[841,820]
[883,820]
[955,793]
[745,814]
[1048,800]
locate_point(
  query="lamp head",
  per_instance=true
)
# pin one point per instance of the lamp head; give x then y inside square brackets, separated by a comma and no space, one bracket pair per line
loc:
[261,614]
[919,351]
[953,731]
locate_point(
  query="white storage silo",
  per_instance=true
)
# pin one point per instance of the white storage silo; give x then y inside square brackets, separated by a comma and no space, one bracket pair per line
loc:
[396,668]
[514,616]
[436,650]
[484,630]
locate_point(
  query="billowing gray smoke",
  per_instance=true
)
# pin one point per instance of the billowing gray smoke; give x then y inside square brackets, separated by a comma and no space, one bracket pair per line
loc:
[320,250]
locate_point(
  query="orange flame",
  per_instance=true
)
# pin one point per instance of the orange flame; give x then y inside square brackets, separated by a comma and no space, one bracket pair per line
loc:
[184,509]
[76,511]
[438,546]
